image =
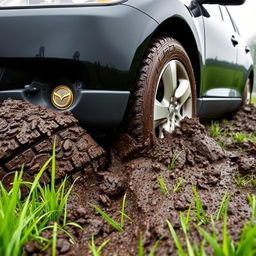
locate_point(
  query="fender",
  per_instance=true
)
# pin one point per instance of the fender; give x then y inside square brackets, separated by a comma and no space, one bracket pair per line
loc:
[162,10]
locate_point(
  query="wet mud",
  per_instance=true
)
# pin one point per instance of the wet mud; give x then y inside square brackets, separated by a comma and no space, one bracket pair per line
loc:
[187,158]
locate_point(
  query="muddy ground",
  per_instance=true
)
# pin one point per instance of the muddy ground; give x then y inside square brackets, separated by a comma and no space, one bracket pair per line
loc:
[210,164]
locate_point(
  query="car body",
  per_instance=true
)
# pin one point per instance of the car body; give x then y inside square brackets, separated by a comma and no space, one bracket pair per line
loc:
[96,49]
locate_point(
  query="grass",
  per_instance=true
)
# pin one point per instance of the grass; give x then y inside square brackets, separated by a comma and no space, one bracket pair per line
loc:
[223,206]
[174,159]
[178,184]
[96,251]
[252,202]
[199,212]
[215,129]
[107,218]
[245,180]
[23,219]
[112,222]
[162,185]
[224,247]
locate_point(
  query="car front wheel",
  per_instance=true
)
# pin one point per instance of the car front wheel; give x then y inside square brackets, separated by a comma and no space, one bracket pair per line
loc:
[165,92]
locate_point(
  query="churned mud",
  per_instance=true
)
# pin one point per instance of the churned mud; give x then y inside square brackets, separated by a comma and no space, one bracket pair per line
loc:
[187,158]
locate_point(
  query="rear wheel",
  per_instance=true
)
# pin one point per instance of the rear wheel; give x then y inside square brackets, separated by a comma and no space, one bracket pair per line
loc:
[247,92]
[165,91]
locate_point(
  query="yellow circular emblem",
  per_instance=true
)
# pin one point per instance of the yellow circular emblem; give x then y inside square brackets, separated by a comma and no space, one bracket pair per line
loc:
[62,97]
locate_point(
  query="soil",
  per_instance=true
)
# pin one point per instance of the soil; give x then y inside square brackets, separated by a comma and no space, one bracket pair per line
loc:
[27,133]
[134,169]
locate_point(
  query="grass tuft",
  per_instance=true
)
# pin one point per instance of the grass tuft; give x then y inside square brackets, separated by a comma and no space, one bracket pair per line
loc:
[215,129]
[200,214]
[93,248]
[174,159]
[23,219]
[178,185]
[162,185]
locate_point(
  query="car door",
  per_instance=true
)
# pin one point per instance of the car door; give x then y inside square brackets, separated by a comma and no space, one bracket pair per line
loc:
[221,53]
[243,61]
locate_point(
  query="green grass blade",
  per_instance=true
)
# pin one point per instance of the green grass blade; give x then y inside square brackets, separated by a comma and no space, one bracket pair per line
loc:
[155,246]
[212,241]
[122,218]
[140,246]
[54,238]
[101,247]
[107,218]
[176,239]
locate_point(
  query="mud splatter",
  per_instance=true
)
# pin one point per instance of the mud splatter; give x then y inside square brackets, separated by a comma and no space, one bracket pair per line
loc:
[188,157]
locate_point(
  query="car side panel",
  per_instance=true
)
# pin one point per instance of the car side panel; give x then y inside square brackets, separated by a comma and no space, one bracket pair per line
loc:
[221,54]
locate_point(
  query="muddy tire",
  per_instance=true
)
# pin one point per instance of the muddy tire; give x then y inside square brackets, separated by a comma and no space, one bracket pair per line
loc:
[247,92]
[26,136]
[152,85]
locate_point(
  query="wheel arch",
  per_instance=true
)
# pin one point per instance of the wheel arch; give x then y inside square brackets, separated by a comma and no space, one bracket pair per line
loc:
[178,29]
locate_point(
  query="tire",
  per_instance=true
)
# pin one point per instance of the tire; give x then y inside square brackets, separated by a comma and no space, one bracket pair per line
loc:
[152,88]
[26,136]
[247,92]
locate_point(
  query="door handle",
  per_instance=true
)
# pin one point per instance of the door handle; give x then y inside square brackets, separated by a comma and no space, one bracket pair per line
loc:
[247,49]
[234,40]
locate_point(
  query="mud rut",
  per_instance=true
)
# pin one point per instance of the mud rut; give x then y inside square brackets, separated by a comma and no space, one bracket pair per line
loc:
[105,175]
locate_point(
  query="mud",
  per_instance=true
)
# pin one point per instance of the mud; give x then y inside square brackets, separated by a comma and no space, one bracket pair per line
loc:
[134,170]
[27,133]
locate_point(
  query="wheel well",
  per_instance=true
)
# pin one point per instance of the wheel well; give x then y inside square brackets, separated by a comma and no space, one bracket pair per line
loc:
[179,30]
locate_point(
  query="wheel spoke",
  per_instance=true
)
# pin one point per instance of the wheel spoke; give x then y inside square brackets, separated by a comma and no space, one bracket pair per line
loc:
[183,92]
[161,113]
[170,80]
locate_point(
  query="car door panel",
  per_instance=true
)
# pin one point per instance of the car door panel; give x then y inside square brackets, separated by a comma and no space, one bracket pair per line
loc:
[221,54]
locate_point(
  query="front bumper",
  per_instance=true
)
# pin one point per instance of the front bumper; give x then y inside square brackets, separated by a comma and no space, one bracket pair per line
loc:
[101,110]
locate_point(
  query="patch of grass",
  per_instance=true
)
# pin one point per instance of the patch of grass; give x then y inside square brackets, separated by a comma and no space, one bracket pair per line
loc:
[93,248]
[220,247]
[245,180]
[245,246]
[178,184]
[239,137]
[200,214]
[23,219]
[215,129]
[174,159]
[162,185]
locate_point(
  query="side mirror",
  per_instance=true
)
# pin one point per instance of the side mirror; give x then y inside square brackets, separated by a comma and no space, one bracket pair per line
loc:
[222,2]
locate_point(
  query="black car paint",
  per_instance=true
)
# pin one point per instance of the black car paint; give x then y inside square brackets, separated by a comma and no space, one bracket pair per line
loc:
[103,46]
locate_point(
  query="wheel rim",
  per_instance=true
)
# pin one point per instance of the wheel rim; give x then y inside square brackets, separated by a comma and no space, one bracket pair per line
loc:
[173,98]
